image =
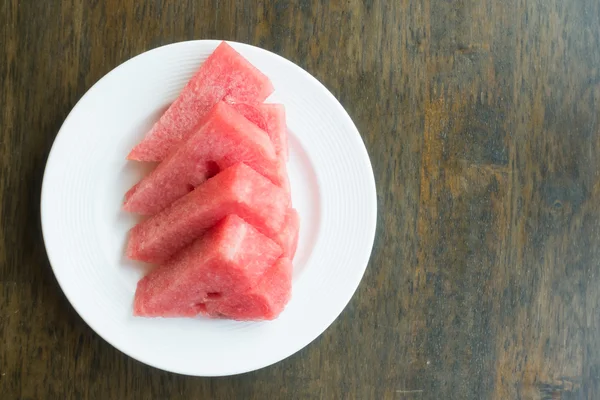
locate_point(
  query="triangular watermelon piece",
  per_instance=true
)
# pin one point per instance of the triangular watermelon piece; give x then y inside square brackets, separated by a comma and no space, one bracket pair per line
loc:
[236,190]
[225,138]
[225,74]
[228,261]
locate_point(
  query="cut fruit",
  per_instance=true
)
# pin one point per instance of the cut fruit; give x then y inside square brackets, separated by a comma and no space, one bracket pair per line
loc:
[229,260]
[224,139]
[265,301]
[221,226]
[236,190]
[225,74]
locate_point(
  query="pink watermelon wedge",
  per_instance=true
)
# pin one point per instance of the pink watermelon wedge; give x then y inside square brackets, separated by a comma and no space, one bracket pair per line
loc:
[224,268]
[236,190]
[225,74]
[265,301]
[225,138]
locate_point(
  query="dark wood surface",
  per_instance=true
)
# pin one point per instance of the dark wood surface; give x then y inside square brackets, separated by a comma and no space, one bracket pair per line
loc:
[481,119]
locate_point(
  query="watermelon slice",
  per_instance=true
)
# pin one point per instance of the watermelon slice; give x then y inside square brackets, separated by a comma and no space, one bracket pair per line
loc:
[265,301]
[237,190]
[225,74]
[228,261]
[271,119]
[225,138]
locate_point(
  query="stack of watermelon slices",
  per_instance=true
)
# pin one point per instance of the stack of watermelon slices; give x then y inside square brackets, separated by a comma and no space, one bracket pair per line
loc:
[220,225]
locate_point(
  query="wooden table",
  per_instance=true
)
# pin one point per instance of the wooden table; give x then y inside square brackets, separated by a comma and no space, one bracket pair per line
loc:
[481,120]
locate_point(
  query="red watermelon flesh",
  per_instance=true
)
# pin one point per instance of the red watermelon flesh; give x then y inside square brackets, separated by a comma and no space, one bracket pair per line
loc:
[265,301]
[236,190]
[224,139]
[229,260]
[271,119]
[225,74]
[288,235]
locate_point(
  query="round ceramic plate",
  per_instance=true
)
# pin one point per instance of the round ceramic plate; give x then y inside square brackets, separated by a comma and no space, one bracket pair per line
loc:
[85,230]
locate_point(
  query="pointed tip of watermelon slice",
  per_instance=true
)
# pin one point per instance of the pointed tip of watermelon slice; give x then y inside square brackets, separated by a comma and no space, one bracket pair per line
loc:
[129,196]
[142,153]
[131,250]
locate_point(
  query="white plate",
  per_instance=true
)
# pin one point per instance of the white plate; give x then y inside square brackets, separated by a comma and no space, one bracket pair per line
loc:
[85,230]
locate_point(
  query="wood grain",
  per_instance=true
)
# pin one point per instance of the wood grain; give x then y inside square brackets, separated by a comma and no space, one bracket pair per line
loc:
[481,121]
